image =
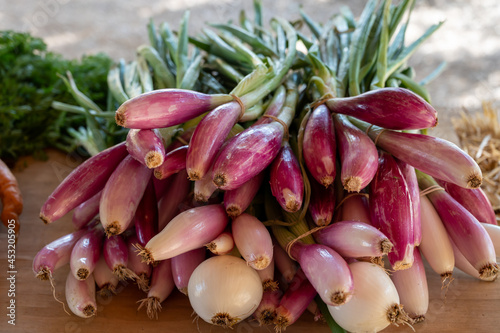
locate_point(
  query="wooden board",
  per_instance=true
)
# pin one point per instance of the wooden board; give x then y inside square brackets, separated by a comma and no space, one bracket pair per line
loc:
[468,306]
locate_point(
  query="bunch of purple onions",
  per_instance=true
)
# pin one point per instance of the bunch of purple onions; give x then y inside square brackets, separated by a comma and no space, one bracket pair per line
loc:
[305,205]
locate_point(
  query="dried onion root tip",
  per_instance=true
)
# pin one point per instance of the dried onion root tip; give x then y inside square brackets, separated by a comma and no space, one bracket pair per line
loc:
[396,315]
[107,290]
[113,229]
[153,159]
[89,310]
[260,263]
[145,254]
[219,180]
[82,273]
[446,280]
[233,211]
[474,181]
[44,274]
[193,176]
[386,246]
[353,184]
[267,317]
[489,272]
[224,319]
[280,323]
[153,306]
[418,319]
[270,285]
[123,273]
[143,282]
[339,297]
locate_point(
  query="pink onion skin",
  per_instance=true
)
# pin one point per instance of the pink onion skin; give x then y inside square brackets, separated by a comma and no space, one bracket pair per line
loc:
[465,266]
[208,138]
[174,162]
[187,231]
[80,296]
[222,244]
[162,282]
[293,304]
[466,232]
[391,210]
[168,206]
[393,108]
[287,185]
[86,253]
[146,215]
[434,156]
[319,146]
[146,146]
[161,186]
[411,181]
[322,203]
[474,200]
[55,254]
[82,183]
[246,155]
[86,211]
[354,239]
[355,208]
[358,155]
[493,231]
[253,241]
[166,107]
[135,264]
[115,252]
[435,245]
[412,288]
[275,106]
[104,277]
[183,266]
[122,194]
[327,271]
[238,200]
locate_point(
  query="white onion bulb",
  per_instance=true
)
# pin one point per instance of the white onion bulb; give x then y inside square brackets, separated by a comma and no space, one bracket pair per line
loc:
[374,304]
[224,290]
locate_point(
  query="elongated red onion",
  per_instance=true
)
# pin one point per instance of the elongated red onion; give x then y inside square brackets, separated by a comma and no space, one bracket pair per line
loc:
[394,108]
[183,266]
[253,240]
[116,255]
[465,266]
[168,206]
[319,146]
[187,231]
[162,285]
[238,200]
[104,278]
[358,155]
[80,296]
[293,304]
[86,253]
[411,181]
[287,185]
[267,277]
[412,288]
[275,106]
[55,254]
[135,264]
[146,146]
[464,229]
[375,303]
[354,239]
[322,203]
[86,211]
[474,200]
[122,194]
[82,183]
[166,107]
[355,208]
[208,138]
[391,210]
[246,155]
[434,156]
[285,265]
[161,186]
[265,314]
[435,245]
[174,162]
[146,215]
[204,188]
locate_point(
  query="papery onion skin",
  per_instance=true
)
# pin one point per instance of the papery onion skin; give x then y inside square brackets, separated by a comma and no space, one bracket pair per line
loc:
[393,108]
[322,203]
[86,211]
[174,162]
[411,181]
[86,253]
[391,210]
[253,240]
[238,200]
[146,146]
[373,297]
[80,296]
[355,208]
[183,266]
[168,207]
[224,290]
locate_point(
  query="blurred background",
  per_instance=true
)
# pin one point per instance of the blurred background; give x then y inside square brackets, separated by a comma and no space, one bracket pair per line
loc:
[469,41]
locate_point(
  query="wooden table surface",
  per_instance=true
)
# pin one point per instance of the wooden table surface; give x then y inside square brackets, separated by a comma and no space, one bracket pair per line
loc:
[469,305]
